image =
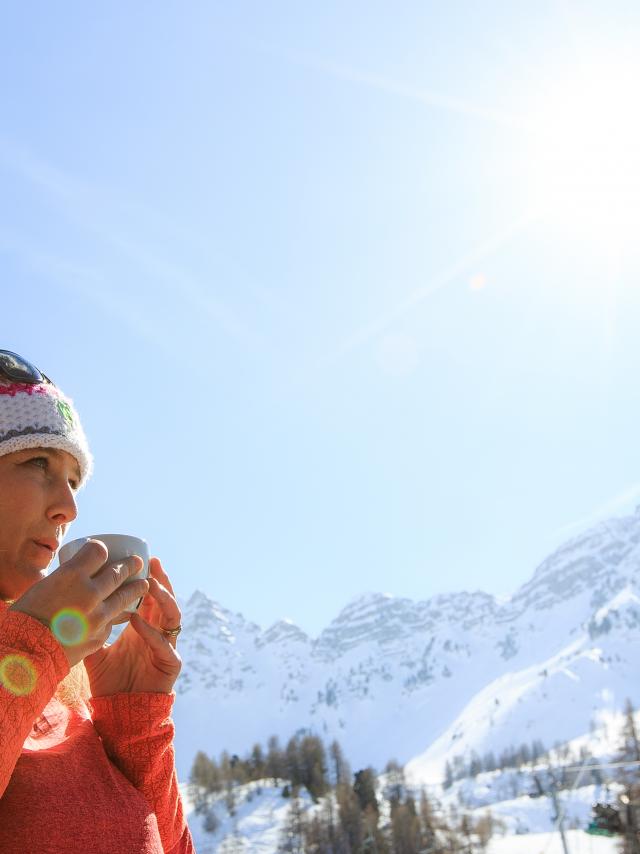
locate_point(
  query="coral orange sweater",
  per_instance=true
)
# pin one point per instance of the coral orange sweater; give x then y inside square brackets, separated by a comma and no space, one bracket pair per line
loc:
[98,778]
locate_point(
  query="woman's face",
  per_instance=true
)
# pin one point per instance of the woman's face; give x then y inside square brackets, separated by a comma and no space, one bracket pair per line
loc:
[37,503]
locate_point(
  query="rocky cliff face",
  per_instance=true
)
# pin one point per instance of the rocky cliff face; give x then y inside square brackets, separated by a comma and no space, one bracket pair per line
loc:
[390,677]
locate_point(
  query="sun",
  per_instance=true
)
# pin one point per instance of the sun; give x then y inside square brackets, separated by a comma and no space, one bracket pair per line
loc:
[583,160]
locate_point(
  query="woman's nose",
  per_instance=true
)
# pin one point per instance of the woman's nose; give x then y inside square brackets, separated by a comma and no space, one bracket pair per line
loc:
[63,508]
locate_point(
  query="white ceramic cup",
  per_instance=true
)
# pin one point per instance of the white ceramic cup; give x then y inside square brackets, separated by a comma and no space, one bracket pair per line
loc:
[119,546]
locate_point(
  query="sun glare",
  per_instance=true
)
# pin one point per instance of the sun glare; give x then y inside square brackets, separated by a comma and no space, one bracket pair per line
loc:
[584,163]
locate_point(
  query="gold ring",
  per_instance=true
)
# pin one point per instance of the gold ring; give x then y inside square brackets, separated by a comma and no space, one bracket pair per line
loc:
[172,633]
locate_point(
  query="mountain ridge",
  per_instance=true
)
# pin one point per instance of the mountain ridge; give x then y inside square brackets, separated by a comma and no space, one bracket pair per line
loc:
[392,677]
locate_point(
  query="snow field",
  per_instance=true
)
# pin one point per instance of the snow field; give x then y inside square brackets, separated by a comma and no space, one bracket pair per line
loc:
[578,842]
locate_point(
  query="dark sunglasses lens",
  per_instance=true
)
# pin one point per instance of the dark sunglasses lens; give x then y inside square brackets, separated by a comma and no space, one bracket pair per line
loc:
[18,369]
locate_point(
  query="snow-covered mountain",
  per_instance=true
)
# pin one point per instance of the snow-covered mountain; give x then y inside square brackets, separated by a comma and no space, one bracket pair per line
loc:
[425,681]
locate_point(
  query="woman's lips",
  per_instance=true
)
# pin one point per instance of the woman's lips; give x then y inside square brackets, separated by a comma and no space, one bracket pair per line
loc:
[45,548]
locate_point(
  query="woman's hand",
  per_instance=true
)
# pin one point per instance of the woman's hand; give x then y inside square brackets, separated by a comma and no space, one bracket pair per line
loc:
[142,658]
[80,600]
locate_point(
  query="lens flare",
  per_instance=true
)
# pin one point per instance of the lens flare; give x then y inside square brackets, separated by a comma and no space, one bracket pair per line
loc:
[18,674]
[69,626]
[478,282]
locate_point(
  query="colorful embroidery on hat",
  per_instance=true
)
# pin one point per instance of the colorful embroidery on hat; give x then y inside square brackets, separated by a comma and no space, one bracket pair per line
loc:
[65,410]
[14,388]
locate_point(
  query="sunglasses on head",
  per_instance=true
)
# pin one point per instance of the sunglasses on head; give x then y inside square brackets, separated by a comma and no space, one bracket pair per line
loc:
[15,368]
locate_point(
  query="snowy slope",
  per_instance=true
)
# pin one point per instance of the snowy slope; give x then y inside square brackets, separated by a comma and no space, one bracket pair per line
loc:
[423,681]
[545,843]
[523,820]
[256,825]
[261,813]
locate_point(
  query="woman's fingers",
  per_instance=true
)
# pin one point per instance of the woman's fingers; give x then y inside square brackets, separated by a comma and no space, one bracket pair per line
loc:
[167,610]
[157,642]
[160,609]
[158,572]
[123,597]
[114,574]
[147,632]
[88,560]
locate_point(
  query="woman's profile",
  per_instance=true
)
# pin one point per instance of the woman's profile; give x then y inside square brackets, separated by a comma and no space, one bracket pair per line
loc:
[86,737]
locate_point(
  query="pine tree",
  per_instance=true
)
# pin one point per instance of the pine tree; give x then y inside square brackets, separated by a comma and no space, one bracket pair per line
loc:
[341,773]
[292,762]
[227,779]
[489,761]
[202,771]
[537,749]
[226,772]
[322,836]
[312,766]
[373,838]
[484,830]
[466,830]
[257,764]
[395,788]
[428,824]
[405,828]
[275,765]
[364,787]
[292,837]
[475,765]
[631,746]
[350,819]
[316,835]
[203,779]
[239,769]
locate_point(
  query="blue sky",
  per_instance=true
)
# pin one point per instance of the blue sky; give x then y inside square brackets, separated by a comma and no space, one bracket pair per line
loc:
[344,304]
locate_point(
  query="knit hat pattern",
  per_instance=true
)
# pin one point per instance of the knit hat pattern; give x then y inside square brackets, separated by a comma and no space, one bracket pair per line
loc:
[41,416]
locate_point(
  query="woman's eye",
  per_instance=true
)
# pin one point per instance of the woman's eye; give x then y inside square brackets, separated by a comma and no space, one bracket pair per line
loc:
[41,462]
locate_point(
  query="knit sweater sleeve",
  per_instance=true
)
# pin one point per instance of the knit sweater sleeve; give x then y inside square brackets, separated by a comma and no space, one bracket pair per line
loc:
[32,663]
[137,734]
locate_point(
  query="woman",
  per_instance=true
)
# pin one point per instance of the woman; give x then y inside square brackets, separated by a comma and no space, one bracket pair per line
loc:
[86,739]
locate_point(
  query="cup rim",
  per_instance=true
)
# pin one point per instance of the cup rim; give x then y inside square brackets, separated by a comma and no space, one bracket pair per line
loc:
[105,538]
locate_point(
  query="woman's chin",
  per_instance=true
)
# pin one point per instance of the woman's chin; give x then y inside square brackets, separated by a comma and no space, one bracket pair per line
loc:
[35,570]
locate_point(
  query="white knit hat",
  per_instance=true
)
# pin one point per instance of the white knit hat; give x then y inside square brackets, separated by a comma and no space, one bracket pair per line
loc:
[40,416]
